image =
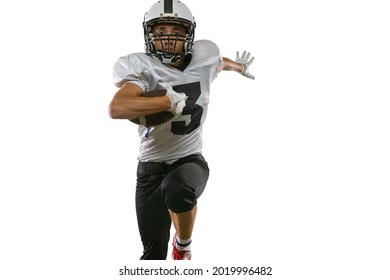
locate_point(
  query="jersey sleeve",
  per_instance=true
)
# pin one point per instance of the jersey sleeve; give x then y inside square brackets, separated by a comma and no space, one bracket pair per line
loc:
[207,52]
[218,65]
[129,69]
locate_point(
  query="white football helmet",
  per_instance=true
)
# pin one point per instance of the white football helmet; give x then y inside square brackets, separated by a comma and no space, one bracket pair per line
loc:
[169,11]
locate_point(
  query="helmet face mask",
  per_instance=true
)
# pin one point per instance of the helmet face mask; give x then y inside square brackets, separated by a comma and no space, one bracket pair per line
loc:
[170,12]
[169,48]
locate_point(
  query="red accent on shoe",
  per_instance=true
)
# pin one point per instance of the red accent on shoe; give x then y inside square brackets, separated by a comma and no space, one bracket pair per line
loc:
[180,254]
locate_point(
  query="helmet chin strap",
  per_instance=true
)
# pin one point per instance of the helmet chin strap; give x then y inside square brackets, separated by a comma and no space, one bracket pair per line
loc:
[170,59]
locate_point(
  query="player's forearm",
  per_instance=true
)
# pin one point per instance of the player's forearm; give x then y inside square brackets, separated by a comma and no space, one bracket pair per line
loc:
[135,107]
[230,65]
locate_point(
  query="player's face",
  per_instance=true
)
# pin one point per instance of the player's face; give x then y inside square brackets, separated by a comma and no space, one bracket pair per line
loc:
[171,37]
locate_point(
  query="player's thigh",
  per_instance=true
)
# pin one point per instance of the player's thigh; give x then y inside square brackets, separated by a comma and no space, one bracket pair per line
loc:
[187,180]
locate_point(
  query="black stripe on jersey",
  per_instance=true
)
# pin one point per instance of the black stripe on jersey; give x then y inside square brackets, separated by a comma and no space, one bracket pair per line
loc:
[168,6]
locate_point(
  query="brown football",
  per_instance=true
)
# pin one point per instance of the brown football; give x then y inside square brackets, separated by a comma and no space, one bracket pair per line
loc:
[157,118]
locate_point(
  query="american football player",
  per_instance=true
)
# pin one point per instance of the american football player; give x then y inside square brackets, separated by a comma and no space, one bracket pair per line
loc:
[172,172]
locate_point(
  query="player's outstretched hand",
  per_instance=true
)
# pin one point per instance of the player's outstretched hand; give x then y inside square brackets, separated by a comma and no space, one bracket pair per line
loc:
[246,61]
[178,101]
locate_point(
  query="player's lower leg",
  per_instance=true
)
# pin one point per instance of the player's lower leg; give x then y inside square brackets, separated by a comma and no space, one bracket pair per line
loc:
[184,224]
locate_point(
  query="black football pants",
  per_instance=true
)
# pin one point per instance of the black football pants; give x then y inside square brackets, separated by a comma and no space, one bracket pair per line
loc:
[160,187]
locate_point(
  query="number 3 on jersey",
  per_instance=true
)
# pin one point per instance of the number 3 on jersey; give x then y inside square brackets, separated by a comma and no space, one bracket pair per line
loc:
[192,113]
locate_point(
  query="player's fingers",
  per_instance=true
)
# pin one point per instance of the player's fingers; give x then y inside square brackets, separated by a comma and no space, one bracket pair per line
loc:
[247,57]
[243,56]
[237,56]
[250,61]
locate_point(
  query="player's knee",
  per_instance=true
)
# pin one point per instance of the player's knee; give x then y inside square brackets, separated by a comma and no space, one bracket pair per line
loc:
[178,198]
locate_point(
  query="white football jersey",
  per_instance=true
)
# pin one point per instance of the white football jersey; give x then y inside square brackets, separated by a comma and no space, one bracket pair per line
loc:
[182,135]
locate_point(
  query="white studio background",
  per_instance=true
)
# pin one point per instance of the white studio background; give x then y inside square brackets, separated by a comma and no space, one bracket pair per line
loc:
[299,157]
